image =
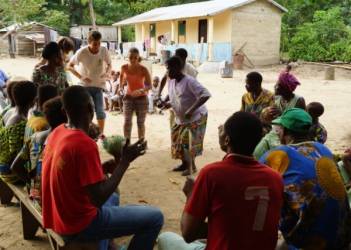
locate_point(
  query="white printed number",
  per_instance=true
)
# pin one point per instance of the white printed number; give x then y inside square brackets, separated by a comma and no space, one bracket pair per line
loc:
[251,193]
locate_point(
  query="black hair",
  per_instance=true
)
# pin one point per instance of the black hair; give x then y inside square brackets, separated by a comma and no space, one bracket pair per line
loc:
[9,90]
[94,35]
[24,93]
[46,92]
[254,77]
[51,50]
[315,109]
[182,53]
[66,44]
[75,99]
[54,113]
[244,131]
[175,62]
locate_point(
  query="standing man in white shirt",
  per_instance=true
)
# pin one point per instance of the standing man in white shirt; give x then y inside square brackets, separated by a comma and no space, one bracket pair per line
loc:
[94,65]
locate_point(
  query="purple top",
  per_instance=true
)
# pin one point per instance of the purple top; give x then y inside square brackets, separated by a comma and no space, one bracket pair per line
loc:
[182,96]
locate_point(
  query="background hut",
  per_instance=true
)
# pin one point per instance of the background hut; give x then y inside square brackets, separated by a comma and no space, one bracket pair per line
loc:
[26,39]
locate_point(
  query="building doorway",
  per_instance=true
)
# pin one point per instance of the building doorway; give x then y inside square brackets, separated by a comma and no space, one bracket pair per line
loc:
[152,37]
[203,30]
[182,32]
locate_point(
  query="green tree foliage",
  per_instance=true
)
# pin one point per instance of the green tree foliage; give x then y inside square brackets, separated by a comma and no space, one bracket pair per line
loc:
[57,19]
[325,38]
[18,11]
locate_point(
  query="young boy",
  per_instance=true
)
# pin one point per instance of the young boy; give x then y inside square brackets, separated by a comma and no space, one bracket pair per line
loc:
[153,95]
[111,95]
[318,132]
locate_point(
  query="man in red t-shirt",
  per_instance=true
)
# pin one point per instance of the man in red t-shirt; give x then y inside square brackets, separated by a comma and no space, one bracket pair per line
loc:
[240,198]
[74,188]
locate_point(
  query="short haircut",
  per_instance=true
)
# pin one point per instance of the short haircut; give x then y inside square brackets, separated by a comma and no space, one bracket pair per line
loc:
[24,93]
[245,132]
[175,62]
[94,35]
[66,44]
[51,50]
[75,99]
[46,92]
[254,77]
[315,109]
[182,53]
[9,90]
[134,51]
[54,113]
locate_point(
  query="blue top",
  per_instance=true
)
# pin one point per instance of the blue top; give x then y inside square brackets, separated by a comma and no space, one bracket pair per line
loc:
[315,201]
[3,78]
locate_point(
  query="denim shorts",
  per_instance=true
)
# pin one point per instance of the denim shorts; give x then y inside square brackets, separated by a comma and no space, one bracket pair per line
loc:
[98,99]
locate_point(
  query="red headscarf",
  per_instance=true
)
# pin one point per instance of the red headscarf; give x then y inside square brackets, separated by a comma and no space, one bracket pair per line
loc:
[288,80]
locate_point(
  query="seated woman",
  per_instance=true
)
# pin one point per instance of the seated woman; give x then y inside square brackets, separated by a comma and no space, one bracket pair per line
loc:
[32,150]
[284,90]
[12,127]
[53,71]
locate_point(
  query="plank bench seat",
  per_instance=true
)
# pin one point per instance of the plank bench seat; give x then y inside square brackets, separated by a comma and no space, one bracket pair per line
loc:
[32,219]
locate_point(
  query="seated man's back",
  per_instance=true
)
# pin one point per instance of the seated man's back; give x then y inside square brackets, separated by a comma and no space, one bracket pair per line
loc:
[242,200]
[71,162]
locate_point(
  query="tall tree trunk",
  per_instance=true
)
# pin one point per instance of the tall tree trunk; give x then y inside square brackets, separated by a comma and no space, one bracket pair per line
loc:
[92,14]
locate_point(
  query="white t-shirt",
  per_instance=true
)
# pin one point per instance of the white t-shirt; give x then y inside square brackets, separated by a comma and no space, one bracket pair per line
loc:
[190,70]
[92,65]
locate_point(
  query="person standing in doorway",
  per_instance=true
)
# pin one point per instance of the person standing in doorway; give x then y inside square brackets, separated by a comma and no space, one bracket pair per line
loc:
[94,66]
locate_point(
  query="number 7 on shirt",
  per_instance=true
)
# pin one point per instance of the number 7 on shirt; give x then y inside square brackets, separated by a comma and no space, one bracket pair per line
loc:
[252,193]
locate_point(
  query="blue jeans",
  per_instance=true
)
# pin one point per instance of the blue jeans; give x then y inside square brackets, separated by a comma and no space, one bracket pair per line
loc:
[144,222]
[98,99]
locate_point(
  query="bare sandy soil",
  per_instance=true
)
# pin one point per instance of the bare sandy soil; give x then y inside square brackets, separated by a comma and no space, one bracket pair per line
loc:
[150,180]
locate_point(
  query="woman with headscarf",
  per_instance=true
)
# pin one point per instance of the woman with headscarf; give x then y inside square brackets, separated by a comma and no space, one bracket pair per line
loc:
[284,90]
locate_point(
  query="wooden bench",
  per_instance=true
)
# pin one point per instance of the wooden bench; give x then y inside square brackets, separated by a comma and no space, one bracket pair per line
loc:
[32,219]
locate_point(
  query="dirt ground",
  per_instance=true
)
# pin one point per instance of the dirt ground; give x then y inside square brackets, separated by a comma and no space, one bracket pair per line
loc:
[150,180]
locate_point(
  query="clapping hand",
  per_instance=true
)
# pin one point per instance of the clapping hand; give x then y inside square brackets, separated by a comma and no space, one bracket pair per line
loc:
[109,166]
[188,186]
[188,114]
[130,152]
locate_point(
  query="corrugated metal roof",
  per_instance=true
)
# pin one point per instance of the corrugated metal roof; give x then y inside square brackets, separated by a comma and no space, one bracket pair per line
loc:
[199,9]
[16,26]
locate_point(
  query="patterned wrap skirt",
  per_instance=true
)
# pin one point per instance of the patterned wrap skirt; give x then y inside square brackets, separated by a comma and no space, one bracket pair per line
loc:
[181,141]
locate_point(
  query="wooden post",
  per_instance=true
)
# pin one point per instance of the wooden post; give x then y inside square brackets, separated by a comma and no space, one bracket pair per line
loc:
[210,38]
[174,31]
[92,14]
[6,193]
[30,225]
[330,73]
[34,49]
